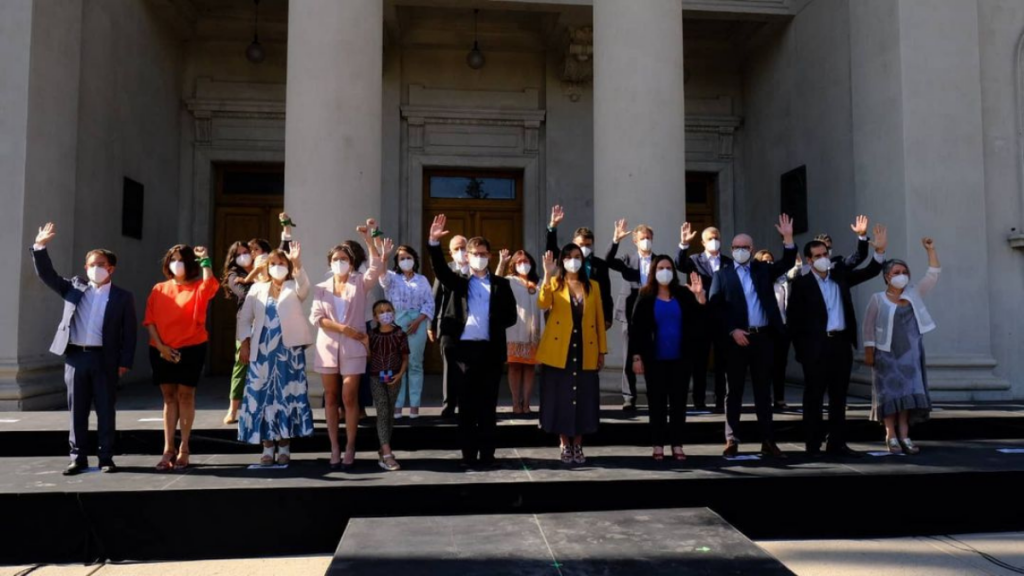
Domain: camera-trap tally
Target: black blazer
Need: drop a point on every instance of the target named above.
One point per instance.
(598, 273)
(700, 264)
(628, 265)
(728, 303)
(441, 297)
(120, 327)
(807, 316)
(643, 326)
(503, 311)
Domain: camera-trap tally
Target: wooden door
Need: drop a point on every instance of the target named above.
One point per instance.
(700, 205)
(477, 203)
(248, 199)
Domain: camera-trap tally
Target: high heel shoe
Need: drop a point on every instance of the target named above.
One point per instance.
(659, 453)
(908, 446)
(167, 462)
(680, 455)
(893, 445)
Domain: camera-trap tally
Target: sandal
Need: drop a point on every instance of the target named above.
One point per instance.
(388, 462)
(230, 419)
(893, 445)
(567, 454)
(680, 455)
(577, 455)
(908, 446)
(659, 453)
(181, 462)
(167, 462)
(284, 455)
(268, 456)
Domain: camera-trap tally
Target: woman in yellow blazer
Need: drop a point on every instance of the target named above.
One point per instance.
(571, 350)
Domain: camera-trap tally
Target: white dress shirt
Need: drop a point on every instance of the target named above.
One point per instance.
(87, 324)
(645, 266)
(756, 318)
(478, 321)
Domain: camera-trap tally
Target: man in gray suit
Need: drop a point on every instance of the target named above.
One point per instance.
(96, 336)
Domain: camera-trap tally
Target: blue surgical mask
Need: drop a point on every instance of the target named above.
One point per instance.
(386, 318)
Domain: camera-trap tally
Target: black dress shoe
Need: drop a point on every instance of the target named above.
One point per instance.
(76, 467)
(629, 406)
(842, 450)
(108, 466)
(780, 406)
(488, 462)
(771, 450)
(813, 450)
(448, 413)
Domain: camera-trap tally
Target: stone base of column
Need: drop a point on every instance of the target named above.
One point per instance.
(957, 378)
(32, 386)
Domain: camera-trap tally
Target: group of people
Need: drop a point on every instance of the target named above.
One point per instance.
(744, 311)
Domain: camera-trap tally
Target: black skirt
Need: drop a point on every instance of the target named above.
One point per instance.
(186, 372)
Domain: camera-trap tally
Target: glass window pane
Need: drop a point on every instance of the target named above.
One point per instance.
(464, 187)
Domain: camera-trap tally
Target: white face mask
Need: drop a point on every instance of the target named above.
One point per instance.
(713, 245)
(572, 265)
(97, 274)
(664, 276)
(460, 257)
(478, 263)
(340, 267)
(279, 272)
(523, 269)
(407, 264)
(386, 318)
(644, 245)
(822, 264)
(587, 251)
(899, 281)
(741, 255)
(243, 260)
(177, 268)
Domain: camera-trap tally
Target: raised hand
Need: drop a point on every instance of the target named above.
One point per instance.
(785, 228)
(556, 216)
(928, 244)
(295, 254)
(686, 233)
(504, 256)
(200, 252)
(437, 230)
(696, 285)
(386, 247)
(621, 230)
(860, 226)
(46, 233)
(881, 239)
(549, 263)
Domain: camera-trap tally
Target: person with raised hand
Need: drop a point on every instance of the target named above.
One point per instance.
(276, 407)
(571, 351)
(460, 265)
(524, 337)
(339, 312)
(475, 318)
(860, 228)
(667, 318)
(894, 325)
(747, 316)
(96, 336)
(595, 267)
(176, 320)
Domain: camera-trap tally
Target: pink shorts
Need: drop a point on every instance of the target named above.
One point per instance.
(346, 367)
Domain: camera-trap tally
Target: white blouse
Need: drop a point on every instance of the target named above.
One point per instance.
(878, 319)
(408, 293)
(529, 322)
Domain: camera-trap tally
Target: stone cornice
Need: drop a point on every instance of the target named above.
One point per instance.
(493, 116)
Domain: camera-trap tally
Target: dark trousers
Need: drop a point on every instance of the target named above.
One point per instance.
(89, 382)
(628, 377)
(828, 371)
(701, 358)
(451, 389)
(757, 359)
(668, 382)
(474, 368)
(782, 342)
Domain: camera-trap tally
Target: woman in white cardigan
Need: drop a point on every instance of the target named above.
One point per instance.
(893, 327)
(275, 407)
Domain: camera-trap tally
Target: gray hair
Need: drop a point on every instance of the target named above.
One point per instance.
(889, 264)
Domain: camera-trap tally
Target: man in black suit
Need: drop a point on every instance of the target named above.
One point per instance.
(475, 318)
(633, 268)
(96, 336)
(459, 265)
(744, 308)
(823, 326)
(597, 268)
(705, 264)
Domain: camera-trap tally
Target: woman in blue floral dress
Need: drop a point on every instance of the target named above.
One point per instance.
(276, 408)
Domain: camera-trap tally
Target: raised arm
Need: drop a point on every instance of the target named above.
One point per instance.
(445, 276)
(377, 262)
(43, 264)
(546, 294)
(934, 268)
(503, 259)
(557, 214)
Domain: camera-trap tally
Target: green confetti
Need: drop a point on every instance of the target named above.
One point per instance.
(703, 549)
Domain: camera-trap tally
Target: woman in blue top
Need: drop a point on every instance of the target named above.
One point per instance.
(666, 318)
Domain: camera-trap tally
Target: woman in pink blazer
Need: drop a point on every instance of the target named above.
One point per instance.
(339, 312)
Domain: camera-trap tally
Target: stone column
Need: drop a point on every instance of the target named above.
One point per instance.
(919, 167)
(39, 61)
(639, 125)
(333, 121)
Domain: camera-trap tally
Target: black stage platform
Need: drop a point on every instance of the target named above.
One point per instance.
(693, 541)
(221, 508)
